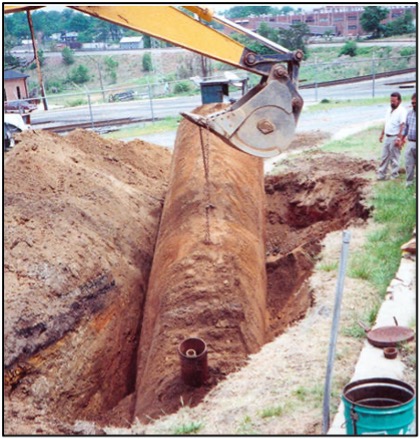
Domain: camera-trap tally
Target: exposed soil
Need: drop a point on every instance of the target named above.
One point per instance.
(81, 223)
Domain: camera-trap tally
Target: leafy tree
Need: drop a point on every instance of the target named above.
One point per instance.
(245, 11)
(68, 56)
(182, 87)
(87, 36)
(147, 62)
(47, 23)
(295, 37)
(10, 61)
(147, 41)
(350, 49)
(41, 57)
(107, 31)
(371, 18)
(401, 25)
(286, 10)
(17, 26)
(111, 68)
(79, 75)
(264, 30)
(78, 23)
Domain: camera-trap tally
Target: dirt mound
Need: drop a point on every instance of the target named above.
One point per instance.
(81, 221)
(81, 218)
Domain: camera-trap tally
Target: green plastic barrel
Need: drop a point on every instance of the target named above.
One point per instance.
(379, 406)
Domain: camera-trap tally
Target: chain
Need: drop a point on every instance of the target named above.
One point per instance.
(205, 149)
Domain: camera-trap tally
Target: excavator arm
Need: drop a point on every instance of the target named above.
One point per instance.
(262, 122)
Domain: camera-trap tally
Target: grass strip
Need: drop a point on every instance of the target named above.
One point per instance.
(159, 126)
(395, 214)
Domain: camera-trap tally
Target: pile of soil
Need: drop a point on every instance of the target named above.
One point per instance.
(81, 221)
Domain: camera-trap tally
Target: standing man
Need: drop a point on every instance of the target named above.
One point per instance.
(410, 133)
(394, 125)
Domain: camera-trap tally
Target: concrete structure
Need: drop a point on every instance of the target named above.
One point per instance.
(15, 86)
(400, 303)
(341, 20)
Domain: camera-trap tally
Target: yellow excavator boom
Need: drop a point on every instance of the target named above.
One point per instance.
(262, 122)
(170, 24)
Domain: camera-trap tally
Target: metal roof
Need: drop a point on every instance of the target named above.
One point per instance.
(13, 74)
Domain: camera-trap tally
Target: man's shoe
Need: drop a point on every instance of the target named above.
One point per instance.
(379, 178)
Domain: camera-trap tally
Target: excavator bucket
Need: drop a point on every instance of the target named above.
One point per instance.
(262, 123)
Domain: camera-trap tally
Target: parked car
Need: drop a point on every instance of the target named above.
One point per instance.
(123, 96)
(12, 124)
(20, 106)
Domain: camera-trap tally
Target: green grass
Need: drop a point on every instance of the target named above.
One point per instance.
(159, 126)
(185, 429)
(246, 427)
(310, 395)
(395, 214)
(364, 144)
(394, 217)
(327, 104)
(328, 267)
(271, 412)
(367, 317)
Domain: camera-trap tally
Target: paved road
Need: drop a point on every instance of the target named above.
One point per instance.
(161, 108)
(339, 122)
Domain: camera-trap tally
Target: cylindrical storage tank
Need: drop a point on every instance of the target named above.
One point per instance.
(208, 276)
(379, 406)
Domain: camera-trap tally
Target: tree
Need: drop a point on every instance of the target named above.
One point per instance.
(17, 25)
(286, 10)
(111, 68)
(265, 31)
(400, 26)
(78, 23)
(68, 56)
(350, 49)
(147, 62)
(79, 74)
(41, 57)
(245, 11)
(295, 37)
(371, 18)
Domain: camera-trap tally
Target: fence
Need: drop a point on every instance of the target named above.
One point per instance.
(147, 94)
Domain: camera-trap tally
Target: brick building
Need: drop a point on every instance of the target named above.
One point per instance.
(340, 20)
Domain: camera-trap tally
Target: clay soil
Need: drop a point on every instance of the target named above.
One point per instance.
(81, 223)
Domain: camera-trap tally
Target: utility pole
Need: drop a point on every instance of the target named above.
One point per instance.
(99, 67)
(38, 64)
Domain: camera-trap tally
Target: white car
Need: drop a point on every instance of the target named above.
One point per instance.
(12, 123)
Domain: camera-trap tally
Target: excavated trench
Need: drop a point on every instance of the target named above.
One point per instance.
(92, 327)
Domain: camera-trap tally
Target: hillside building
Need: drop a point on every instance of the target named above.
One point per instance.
(339, 20)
